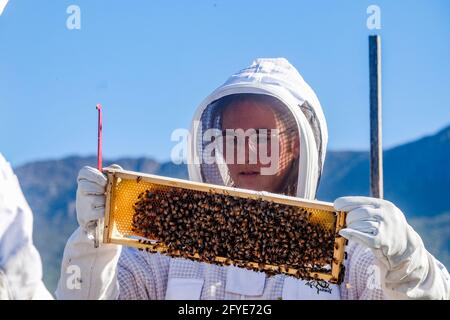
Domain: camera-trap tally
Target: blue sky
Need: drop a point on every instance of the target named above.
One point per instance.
(150, 63)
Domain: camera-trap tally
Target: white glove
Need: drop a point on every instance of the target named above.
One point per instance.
(88, 272)
(20, 263)
(408, 271)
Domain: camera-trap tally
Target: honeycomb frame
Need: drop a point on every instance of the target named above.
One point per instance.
(124, 187)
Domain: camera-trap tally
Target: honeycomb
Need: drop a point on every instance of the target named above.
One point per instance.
(125, 189)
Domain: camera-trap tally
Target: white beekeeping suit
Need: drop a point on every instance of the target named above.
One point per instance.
(20, 263)
(3, 4)
(385, 257)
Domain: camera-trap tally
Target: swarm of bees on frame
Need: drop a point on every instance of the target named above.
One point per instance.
(242, 230)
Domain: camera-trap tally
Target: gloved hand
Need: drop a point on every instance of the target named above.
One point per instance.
(20, 263)
(88, 272)
(90, 203)
(407, 269)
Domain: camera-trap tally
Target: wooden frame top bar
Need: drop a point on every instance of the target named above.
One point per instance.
(200, 186)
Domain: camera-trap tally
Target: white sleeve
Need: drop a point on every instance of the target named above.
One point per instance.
(366, 278)
(88, 272)
(421, 276)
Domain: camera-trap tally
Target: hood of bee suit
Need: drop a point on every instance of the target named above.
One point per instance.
(279, 79)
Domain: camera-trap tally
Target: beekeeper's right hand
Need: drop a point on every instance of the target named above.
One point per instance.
(88, 272)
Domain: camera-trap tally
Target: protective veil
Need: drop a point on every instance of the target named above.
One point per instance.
(298, 106)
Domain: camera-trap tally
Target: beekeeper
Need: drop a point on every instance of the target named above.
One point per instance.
(386, 258)
(20, 263)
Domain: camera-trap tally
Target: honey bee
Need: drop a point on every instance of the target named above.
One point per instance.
(250, 233)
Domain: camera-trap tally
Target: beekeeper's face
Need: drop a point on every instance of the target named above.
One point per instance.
(258, 115)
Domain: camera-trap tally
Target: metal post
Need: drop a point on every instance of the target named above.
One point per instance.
(376, 151)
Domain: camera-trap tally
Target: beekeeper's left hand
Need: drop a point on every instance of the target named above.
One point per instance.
(20, 263)
(408, 270)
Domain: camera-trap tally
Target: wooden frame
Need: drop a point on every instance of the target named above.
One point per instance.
(110, 236)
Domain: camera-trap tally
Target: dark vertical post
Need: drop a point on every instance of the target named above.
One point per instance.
(376, 151)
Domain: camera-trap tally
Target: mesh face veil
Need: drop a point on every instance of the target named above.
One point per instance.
(298, 115)
(219, 173)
